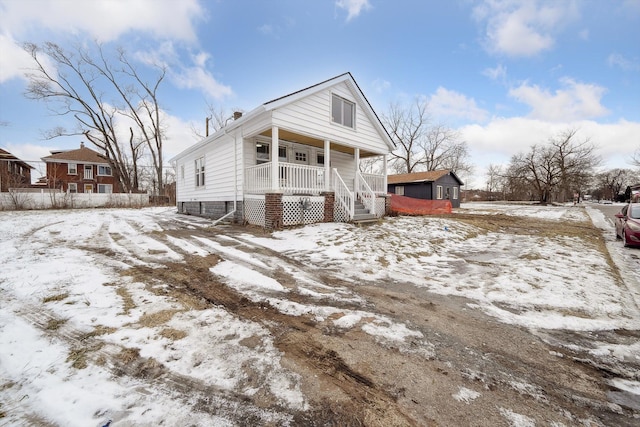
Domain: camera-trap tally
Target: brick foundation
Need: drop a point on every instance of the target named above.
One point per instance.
(273, 211)
(329, 205)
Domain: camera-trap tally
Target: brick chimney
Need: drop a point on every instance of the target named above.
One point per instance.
(81, 144)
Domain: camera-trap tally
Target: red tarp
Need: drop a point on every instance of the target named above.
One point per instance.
(410, 206)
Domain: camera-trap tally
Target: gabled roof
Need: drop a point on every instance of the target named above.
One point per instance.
(80, 155)
(428, 176)
(5, 155)
(351, 82)
(293, 97)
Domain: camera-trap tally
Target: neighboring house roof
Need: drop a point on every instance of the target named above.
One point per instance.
(5, 155)
(81, 155)
(428, 176)
(295, 96)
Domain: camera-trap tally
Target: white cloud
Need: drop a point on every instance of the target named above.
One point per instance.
(522, 27)
(449, 103)
(574, 102)
(618, 60)
(381, 85)
(14, 60)
(104, 20)
(501, 138)
(183, 75)
(498, 73)
(353, 7)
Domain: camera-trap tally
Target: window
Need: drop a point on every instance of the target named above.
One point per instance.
(73, 187)
(282, 154)
(105, 188)
(320, 159)
(73, 169)
(342, 111)
(88, 188)
(400, 190)
(447, 193)
(104, 170)
(455, 193)
(199, 172)
(88, 172)
(439, 192)
(301, 157)
(262, 153)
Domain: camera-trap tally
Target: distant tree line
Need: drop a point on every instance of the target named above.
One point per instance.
(563, 169)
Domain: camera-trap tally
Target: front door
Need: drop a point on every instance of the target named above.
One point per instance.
(88, 188)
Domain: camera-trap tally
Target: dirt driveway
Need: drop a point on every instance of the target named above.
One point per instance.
(370, 349)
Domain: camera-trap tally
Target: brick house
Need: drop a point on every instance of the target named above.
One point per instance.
(14, 173)
(80, 171)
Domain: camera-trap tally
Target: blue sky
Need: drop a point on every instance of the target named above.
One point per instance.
(506, 74)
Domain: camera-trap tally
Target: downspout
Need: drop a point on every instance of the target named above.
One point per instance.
(235, 182)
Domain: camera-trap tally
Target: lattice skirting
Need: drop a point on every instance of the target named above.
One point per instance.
(254, 207)
(302, 210)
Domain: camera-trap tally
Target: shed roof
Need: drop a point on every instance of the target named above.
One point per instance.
(427, 176)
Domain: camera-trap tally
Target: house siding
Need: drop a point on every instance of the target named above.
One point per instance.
(312, 116)
(428, 190)
(219, 184)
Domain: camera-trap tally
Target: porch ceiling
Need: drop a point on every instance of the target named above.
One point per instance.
(286, 135)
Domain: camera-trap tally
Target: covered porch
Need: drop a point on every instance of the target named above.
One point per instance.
(311, 174)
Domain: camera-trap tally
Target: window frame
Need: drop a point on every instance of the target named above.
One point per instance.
(263, 156)
(342, 102)
(104, 167)
(73, 185)
(69, 168)
(439, 192)
(200, 176)
(399, 190)
(105, 186)
(455, 193)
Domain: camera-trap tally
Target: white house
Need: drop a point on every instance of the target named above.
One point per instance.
(319, 135)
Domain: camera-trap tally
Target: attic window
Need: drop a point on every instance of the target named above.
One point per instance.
(342, 111)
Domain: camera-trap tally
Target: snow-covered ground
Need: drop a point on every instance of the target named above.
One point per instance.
(61, 281)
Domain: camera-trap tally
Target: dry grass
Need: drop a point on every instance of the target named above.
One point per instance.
(127, 300)
(56, 297)
(158, 318)
(55, 324)
(173, 334)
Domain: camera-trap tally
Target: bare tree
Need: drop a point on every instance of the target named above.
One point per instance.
(423, 145)
(407, 127)
(79, 87)
(217, 118)
(576, 161)
(611, 182)
(635, 158)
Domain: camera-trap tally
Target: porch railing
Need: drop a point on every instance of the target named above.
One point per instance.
(343, 197)
(293, 178)
(375, 182)
(365, 194)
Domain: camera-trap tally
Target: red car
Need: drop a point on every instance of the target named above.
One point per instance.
(628, 224)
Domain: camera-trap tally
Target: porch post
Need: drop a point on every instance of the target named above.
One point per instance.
(384, 171)
(327, 165)
(275, 169)
(356, 160)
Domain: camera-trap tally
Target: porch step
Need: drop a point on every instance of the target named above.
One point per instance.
(362, 215)
(364, 218)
